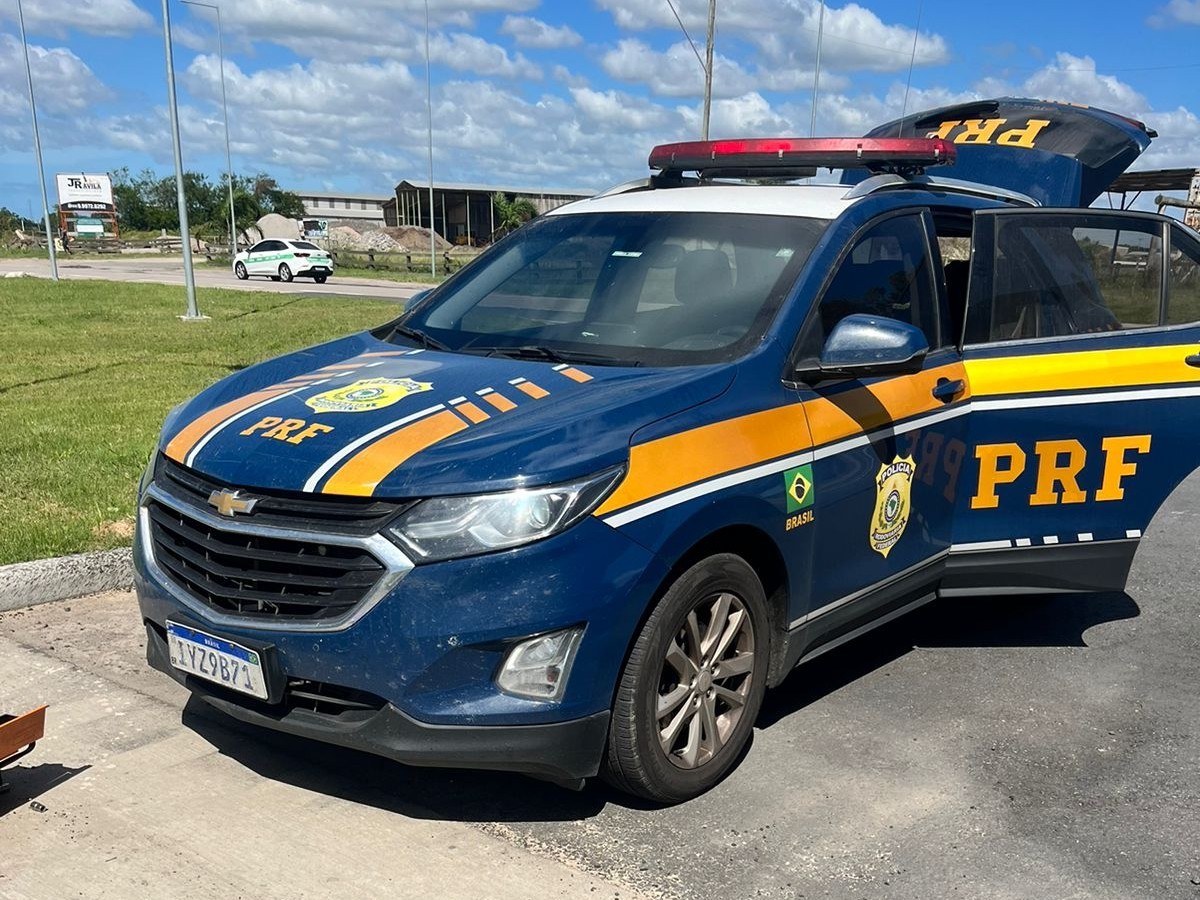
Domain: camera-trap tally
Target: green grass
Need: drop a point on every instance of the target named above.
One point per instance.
(89, 370)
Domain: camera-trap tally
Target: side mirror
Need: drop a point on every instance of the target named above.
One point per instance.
(863, 346)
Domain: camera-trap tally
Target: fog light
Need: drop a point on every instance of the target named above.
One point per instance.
(538, 667)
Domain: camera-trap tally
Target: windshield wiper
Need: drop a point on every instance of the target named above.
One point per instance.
(550, 354)
(416, 334)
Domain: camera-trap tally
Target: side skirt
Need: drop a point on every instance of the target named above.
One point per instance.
(1085, 566)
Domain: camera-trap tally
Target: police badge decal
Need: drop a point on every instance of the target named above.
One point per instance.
(893, 503)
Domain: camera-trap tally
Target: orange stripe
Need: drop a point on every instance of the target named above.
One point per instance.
(528, 387)
(188, 437)
(575, 375)
(340, 368)
(361, 474)
(472, 412)
(832, 418)
(499, 401)
(678, 460)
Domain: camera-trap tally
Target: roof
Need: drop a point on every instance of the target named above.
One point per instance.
(341, 195)
(817, 201)
(493, 188)
(1155, 180)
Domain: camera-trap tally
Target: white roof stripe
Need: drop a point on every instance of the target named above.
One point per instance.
(816, 201)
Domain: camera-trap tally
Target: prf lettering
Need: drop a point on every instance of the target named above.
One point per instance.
(988, 131)
(291, 430)
(1059, 464)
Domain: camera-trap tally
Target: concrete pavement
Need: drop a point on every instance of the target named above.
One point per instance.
(169, 270)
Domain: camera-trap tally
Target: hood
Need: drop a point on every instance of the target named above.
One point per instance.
(1060, 154)
(363, 417)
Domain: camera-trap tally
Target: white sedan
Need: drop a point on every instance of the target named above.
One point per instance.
(282, 260)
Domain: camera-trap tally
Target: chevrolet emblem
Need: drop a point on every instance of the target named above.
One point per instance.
(231, 503)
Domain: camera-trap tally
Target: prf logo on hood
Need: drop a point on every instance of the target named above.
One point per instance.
(367, 394)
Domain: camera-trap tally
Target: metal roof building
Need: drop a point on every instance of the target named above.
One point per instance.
(343, 205)
(464, 213)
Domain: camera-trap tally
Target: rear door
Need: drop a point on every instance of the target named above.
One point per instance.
(1081, 346)
(886, 450)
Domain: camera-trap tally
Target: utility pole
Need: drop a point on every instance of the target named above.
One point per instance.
(225, 113)
(189, 276)
(708, 68)
(812, 124)
(37, 149)
(429, 106)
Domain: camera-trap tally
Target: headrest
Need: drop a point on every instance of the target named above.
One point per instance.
(703, 276)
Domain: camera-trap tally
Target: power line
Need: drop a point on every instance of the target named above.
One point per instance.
(688, 36)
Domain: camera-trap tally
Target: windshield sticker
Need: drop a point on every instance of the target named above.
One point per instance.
(893, 503)
(629, 254)
(784, 253)
(367, 395)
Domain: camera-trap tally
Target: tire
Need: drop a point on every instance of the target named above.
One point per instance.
(320, 279)
(285, 274)
(240, 271)
(678, 639)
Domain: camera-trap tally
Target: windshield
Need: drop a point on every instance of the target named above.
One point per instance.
(622, 288)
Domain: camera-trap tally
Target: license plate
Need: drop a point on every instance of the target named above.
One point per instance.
(217, 660)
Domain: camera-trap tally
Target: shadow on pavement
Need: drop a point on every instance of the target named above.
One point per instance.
(420, 793)
(27, 783)
(1060, 620)
(471, 796)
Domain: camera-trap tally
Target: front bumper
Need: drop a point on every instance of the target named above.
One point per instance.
(558, 751)
(428, 652)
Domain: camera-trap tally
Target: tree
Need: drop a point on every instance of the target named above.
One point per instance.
(511, 214)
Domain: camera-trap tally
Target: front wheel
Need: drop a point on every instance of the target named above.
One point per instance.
(285, 274)
(240, 271)
(693, 684)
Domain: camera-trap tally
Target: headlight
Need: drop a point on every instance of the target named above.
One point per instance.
(449, 527)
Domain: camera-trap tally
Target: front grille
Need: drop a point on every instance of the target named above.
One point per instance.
(330, 699)
(235, 572)
(283, 509)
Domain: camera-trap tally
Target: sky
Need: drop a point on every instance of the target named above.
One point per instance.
(331, 94)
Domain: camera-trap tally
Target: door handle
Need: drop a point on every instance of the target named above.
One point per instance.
(1193, 360)
(946, 390)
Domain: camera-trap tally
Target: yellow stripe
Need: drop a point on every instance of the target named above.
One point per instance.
(499, 401)
(362, 472)
(678, 460)
(472, 412)
(528, 387)
(576, 375)
(1088, 369)
(189, 436)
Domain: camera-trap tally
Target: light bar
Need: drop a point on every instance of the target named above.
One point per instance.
(764, 155)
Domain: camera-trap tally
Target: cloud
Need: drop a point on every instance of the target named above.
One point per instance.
(530, 32)
(675, 72)
(1183, 12)
(108, 18)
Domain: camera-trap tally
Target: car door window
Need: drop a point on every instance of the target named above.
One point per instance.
(1061, 274)
(1183, 283)
(886, 273)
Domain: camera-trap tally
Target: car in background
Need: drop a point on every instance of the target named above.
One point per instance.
(282, 260)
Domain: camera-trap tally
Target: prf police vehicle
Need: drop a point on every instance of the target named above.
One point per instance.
(577, 508)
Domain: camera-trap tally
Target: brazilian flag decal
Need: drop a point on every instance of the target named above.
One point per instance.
(798, 485)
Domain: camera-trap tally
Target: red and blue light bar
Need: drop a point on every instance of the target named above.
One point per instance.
(764, 155)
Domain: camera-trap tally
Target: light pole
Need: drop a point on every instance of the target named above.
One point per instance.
(189, 276)
(429, 105)
(37, 149)
(812, 122)
(708, 67)
(225, 113)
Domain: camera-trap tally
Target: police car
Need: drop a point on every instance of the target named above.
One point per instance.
(282, 260)
(575, 510)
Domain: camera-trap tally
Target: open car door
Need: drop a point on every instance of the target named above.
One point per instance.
(1082, 349)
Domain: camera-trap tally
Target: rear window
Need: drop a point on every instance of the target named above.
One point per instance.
(304, 245)
(653, 288)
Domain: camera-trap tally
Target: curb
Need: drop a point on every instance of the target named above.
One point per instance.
(65, 577)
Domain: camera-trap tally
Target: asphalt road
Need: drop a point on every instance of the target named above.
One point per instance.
(169, 270)
(994, 748)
